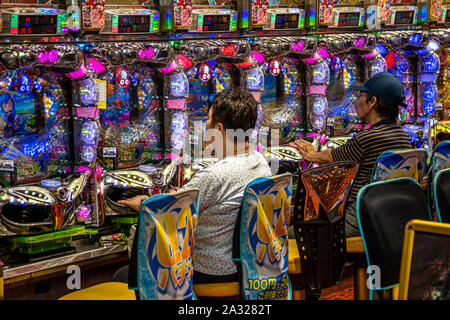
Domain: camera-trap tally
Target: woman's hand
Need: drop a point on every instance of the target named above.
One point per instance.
(135, 202)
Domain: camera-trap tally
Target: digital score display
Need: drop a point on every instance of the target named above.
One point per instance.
(404, 17)
(349, 19)
(287, 21)
(35, 24)
(223, 20)
(447, 17)
(216, 22)
(127, 24)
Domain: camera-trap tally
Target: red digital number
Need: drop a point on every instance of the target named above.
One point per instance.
(23, 30)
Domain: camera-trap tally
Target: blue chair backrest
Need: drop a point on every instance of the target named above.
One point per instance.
(165, 244)
(262, 237)
(441, 193)
(440, 159)
(383, 209)
(392, 164)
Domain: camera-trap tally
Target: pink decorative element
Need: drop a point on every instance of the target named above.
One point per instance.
(173, 155)
(81, 72)
(176, 104)
(313, 59)
(84, 169)
(147, 53)
(323, 138)
(359, 43)
(184, 61)
(299, 46)
(358, 126)
(170, 69)
(83, 213)
(99, 171)
(258, 56)
(48, 56)
(317, 89)
(87, 112)
(322, 52)
(371, 55)
(313, 134)
(96, 65)
(258, 147)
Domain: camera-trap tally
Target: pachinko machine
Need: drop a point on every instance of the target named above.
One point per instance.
(411, 57)
(293, 100)
(352, 58)
(271, 15)
(441, 128)
(132, 153)
(200, 15)
(43, 189)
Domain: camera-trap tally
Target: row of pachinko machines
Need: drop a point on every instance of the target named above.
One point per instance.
(84, 125)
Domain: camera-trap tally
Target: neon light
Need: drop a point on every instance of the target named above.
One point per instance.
(245, 19)
(312, 17)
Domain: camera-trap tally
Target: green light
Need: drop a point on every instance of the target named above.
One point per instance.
(14, 21)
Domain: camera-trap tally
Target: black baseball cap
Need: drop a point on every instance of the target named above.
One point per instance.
(385, 87)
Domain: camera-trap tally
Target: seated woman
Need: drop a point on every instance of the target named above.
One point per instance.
(221, 186)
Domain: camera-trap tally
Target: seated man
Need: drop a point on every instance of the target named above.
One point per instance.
(378, 104)
(221, 185)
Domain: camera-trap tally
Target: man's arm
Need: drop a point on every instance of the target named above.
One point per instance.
(309, 153)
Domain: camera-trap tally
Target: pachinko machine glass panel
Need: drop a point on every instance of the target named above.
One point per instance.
(41, 188)
(352, 58)
(411, 56)
(272, 14)
(210, 67)
(33, 19)
(130, 114)
(293, 100)
(441, 129)
(131, 147)
(201, 15)
(341, 14)
(128, 17)
(445, 12)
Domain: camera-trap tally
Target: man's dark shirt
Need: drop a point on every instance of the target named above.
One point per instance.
(365, 148)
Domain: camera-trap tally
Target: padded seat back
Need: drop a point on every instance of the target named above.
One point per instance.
(161, 263)
(441, 192)
(261, 238)
(394, 164)
(383, 210)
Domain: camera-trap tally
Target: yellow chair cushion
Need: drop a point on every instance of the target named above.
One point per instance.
(221, 289)
(294, 258)
(103, 291)
(355, 245)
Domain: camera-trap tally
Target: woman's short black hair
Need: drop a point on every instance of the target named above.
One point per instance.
(385, 110)
(235, 109)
